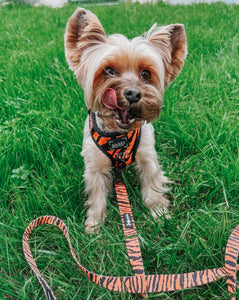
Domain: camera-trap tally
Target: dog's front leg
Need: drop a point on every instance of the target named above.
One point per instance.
(98, 182)
(97, 187)
(151, 176)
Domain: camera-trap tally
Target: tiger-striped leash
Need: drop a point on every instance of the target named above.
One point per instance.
(121, 149)
(139, 283)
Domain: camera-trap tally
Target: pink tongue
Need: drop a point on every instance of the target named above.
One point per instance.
(109, 99)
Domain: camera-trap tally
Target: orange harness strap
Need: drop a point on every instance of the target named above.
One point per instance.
(139, 283)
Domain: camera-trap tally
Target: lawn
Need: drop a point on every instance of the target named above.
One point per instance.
(42, 114)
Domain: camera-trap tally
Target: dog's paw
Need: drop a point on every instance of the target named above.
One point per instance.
(157, 204)
(91, 226)
(159, 211)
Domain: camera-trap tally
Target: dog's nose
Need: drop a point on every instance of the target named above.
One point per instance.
(132, 95)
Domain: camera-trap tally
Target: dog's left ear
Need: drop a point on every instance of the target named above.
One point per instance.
(171, 43)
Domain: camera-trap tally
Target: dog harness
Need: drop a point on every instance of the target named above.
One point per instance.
(121, 150)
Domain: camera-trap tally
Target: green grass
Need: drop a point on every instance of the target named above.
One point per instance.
(41, 123)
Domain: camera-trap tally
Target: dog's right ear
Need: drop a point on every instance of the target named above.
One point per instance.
(83, 30)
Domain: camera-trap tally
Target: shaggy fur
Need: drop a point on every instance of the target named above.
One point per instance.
(146, 64)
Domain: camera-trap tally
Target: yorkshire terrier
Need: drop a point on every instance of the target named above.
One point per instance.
(123, 82)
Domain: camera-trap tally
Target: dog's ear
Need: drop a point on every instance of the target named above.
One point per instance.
(83, 30)
(171, 43)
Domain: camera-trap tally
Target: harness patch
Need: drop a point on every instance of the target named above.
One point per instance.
(118, 143)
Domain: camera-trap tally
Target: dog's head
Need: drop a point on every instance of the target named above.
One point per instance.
(123, 80)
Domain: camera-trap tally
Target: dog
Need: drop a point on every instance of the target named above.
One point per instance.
(123, 82)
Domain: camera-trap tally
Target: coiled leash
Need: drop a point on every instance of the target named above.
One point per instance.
(140, 283)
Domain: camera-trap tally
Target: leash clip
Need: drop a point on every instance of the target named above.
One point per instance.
(117, 174)
(119, 166)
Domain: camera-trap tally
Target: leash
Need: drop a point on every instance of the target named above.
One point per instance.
(121, 149)
(139, 283)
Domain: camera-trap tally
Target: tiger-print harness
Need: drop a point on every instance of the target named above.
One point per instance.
(140, 283)
(121, 148)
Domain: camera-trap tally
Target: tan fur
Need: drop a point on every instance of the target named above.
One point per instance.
(89, 51)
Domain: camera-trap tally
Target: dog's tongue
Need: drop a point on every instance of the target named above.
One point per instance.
(109, 99)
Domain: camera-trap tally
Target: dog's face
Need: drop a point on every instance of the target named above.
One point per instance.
(123, 80)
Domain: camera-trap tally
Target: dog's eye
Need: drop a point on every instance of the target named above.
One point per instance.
(146, 75)
(109, 71)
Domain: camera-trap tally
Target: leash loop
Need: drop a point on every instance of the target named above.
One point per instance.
(231, 256)
(140, 283)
